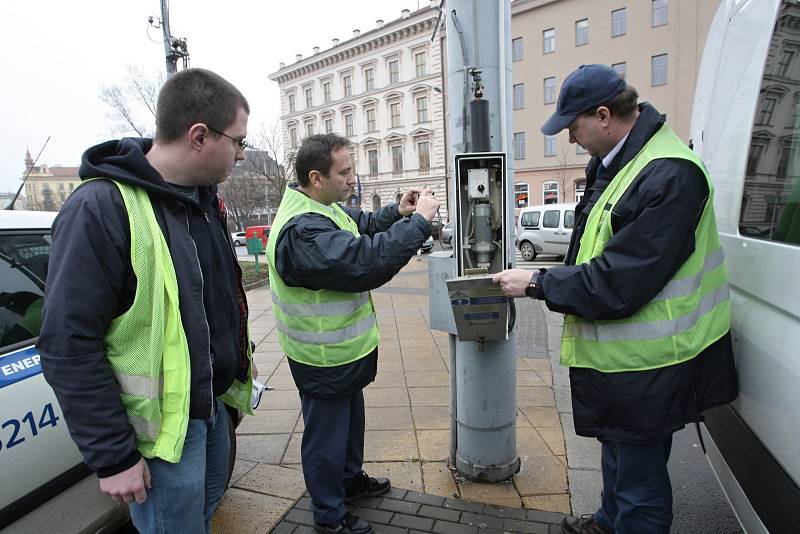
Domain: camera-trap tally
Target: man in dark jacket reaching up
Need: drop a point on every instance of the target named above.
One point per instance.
(645, 297)
(323, 261)
(144, 333)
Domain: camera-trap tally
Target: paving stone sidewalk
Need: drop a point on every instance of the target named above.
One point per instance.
(407, 434)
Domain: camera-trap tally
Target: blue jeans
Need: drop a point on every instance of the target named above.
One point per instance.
(637, 494)
(332, 450)
(184, 495)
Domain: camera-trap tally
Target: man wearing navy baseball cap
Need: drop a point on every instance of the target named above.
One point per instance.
(644, 291)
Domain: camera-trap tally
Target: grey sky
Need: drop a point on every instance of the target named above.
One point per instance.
(56, 55)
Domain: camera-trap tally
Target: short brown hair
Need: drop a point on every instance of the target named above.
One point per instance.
(196, 96)
(315, 155)
(622, 106)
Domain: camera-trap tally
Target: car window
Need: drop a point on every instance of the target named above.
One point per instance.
(530, 218)
(23, 270)
(771, 198)
(551, 218)
(569, 219)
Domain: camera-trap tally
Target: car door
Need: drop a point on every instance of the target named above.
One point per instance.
(36, 451)
(551, 232)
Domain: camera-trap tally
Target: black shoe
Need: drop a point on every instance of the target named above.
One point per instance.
(349, 524)
(584, 524)
(365, 486)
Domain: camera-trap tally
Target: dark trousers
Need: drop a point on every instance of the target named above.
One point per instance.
(637, 494)
(332, 450)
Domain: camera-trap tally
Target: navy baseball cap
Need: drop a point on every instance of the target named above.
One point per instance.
(585, 88)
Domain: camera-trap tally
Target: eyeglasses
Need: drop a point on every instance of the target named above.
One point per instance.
(241, 143)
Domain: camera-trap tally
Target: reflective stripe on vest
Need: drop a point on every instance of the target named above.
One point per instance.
(319, 327)
(689, 313)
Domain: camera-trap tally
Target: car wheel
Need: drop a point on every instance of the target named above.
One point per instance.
(236, 243)
(527, 251)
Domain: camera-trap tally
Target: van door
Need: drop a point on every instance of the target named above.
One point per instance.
(553, 232)
(747, 130)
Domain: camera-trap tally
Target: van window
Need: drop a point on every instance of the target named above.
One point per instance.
(569, 219)
(551, 218)
(771, 199)
(530, 218)
(23, 269)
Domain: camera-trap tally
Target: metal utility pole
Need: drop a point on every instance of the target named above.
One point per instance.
(483, 367)
(174, 47)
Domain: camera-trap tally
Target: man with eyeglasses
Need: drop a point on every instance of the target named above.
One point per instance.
(144, 337)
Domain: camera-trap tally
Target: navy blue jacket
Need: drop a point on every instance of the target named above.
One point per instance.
(91, 281)
(654, 224)
(314, 253)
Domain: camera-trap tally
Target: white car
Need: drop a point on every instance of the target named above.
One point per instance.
(545, 229)
(238, 239)
(46, 486)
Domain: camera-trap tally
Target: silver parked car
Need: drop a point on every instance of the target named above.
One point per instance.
(446, 236)
(545, 229)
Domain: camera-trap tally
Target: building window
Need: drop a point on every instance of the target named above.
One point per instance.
(423, 150)
(349, 127)
(309, 92)
(581, 32)
(549, 90)
(420, 64)
(352, 151)
(326, 92)
(422, 109)
(309, 129)
(519, 145)
(347, 85)
(369, 79)
(516, 49)
(293, 137)
(549, 41)
(372, 158)
(550, 196)
(328, 125)
(660, 12)
(519, 96)
(549, 145)
(397, 159)
(372, 123)
(767, 109)
(291, 103)
(394, 72)
(785, 61)
(376, 202)
(521, 195)
(71, 187)
(753, 158)
(394, 113)
(658, 70)
(618, 22)
(621, 68)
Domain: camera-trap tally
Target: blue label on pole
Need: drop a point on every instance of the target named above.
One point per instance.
(498, 299)
(19, 365)
(481, 316)
(459, 302)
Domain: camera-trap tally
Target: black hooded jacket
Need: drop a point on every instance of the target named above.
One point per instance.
(91, 281)
(654, 224)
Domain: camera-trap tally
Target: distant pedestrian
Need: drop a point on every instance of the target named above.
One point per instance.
(645, 297)
(144, 334)
(323, 261)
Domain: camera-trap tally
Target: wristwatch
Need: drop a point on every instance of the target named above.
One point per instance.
(534, 289)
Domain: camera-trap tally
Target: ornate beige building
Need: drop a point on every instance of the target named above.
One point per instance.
(381, 89)
(48, 187)
(656, 45)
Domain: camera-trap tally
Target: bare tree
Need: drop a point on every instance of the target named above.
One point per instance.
(133, 102)
(257, 183)
(562, 171)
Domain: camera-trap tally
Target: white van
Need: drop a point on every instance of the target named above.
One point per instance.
(746, 128)
(545, 229)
